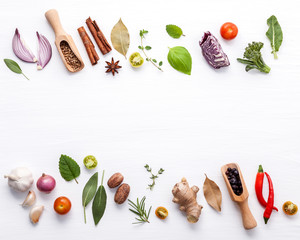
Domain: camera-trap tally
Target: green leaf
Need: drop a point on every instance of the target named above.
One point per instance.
(174, 31)
(14, 67)
(160, 63)
(148, 48)
(89, 191)
(68, 168)
(274, 34)
(180, 59)
(99, 203)
(154, 60)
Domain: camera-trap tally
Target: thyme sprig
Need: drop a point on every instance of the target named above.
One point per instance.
(153, 177)
(152, 60)
(140, 211)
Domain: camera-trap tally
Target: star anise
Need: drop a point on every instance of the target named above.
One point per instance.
(112, 66)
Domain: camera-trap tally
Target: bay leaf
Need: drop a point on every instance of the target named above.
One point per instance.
(120, 38)
(212, 194)
(99, 203)
(89, 191)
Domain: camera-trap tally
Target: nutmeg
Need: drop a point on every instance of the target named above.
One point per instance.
(115, 180)
(122, 193)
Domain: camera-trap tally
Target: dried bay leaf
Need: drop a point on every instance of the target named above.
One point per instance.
(212, 194)
(120, 38)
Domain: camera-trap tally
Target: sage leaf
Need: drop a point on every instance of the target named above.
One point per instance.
(120, 38)
(274, 34)
(89, 191)
(14, 67)
(99, 203)
(68, 168)
(212, 194)
(174, 31)
(180, 59)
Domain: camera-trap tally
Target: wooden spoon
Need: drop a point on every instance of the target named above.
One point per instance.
(249, 221)
(60, 36)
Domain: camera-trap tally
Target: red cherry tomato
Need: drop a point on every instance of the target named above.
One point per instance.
(229, 31)
(62, 205)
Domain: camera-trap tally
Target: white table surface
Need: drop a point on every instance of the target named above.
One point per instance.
(188, 125)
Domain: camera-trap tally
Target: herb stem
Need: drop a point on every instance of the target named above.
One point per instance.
(76, 180)
(84, 215)
(150, 59)
(25, 76)
(102, 177)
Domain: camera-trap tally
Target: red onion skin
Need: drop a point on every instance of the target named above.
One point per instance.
(46, 183)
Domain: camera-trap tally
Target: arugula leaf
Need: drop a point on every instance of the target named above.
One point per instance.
(274, 34)
(68, 168)
(89, 191)
(174, 31)
(99, 203)
(14, 67)
(180, 59)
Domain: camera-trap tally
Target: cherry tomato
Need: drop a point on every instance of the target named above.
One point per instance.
(62, 205)
(229, 31)
(161, 212)
(289, 208)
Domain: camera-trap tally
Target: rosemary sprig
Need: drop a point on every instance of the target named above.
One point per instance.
(139, 210)
(153, 177)
(152, 60)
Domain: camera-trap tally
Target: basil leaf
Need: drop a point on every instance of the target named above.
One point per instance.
(89, 191)
(99, 203)
(180, 59)
(14, 67)
(174, 31)
(274, 34)
(68, 168)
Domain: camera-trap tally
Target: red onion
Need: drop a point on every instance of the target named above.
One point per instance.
(44, 52)
(21, 50)
(46, 183)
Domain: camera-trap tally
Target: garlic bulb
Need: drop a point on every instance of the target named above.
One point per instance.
(35, 213)
(29, 200)
(20, 179)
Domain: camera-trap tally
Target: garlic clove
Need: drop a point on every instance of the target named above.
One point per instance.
(29, 200)
(35, 213)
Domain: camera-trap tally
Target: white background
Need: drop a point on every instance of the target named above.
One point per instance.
(188, 125)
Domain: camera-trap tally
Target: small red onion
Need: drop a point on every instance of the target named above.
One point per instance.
(46, 183)
(21, 50)
(44, 51)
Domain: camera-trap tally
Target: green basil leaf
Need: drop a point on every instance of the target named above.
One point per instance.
(274, 34)
(68, 168)
(160, 63)
(148, 48)
(180, 59)
(174, 31)
(99, 203)
(89, 191)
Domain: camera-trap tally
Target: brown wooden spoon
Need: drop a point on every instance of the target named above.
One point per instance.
(249, 221)
(61, 37)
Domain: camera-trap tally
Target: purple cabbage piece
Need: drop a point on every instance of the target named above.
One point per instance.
(213, 52)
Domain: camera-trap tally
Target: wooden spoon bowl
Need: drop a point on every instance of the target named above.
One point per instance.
(249, 221)
(60, 37)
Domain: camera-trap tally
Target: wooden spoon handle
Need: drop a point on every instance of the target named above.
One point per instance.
(53, 18)
(249, 221)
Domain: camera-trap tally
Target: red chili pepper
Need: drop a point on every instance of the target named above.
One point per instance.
(270, 203)
(259, 187)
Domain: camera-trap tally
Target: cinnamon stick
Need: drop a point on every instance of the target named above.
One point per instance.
(98, 36)
(89, 46)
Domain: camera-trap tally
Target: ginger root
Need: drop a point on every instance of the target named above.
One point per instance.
(186, 197)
